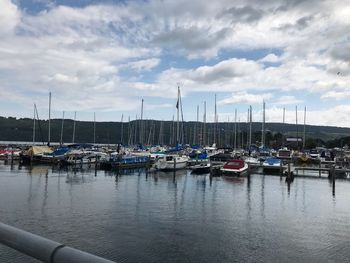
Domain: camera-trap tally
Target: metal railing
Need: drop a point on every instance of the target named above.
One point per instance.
(44, 249)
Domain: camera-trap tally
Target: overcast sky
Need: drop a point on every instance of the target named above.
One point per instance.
(105, 56)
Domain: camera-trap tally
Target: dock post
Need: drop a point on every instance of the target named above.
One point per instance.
(12, 157)
(333, 178)
(96, 163)
(319, 171)
(174, 175)
(281, 168)
(289, 169)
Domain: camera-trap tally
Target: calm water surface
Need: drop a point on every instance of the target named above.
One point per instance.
(136, 217)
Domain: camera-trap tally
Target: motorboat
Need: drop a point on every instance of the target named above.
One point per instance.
(235, 167)
(171, 162)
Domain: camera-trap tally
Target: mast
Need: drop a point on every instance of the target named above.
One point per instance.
(235, 132)
(296, 123)
(129, 131)
(204, 123)
(177, 111)
(141, 123)
(263, 126)
(121, 130)
(49, 134)
(215, 122)
(250, 125)
(75, 116)
(172, 137)
(182, 134)
(284, 119)
(304, 137)
(34, 125)
(61, 141)
(195, 127)
(94, 127)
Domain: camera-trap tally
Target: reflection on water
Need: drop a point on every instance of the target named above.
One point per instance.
(134, 216)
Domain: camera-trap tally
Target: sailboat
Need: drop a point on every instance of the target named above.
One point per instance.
(171, 162)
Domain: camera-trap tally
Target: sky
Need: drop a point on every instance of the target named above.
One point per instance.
(105, 56)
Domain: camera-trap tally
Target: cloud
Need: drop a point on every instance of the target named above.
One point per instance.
(337, 95)
(198, 42)
(270, 58)
(145, 64)
(287, 100)
(245, 98)
(9, 17)
(81, 53)
(242, 14)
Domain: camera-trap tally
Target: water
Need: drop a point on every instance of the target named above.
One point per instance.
(159, 218)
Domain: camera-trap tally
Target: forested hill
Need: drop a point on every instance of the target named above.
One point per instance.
(154, 132)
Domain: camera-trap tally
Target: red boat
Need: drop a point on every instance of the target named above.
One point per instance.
(235, 167)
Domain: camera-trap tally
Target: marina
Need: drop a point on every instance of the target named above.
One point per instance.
(166, 131)
(132, 216)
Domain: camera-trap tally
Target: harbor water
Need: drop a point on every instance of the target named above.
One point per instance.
(134, 216)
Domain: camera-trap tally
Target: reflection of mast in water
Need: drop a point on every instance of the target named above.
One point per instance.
(263, 196)
(249, 206)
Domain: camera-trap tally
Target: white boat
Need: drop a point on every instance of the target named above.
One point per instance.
(252, 160)
(284, 153)
(272, 164)
(171, 162)
(84, 157)
(235, 167)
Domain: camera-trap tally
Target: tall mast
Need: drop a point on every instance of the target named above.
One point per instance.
(94, 127)
(204, 123)
(61, 141)
(172, 137)
(235, 131)
(304, 128)
(296, 123)
(177, 111)
(49, 134)
(75, 116)
(196, 127)
(250, 125)
(215, 121)
(34, 125)
(284, 120)
(121, 130)
(247, 145)
(263, 126)
(141, 123)
(129, 131)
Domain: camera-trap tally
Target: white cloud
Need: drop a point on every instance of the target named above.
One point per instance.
(271, 58)
(9, 17)
(245, 98)
(338, 95)
(287, 100)
(145, 64)
(79, 53)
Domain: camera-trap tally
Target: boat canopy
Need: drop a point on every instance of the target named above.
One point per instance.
(234, 164)
(38, 150)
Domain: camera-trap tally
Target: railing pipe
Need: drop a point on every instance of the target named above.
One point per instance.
(44, 249)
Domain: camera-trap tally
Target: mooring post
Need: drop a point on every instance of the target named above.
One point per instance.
(288, 170)
(333, 178)
(12, 157)
(281, 168)
(319, 171)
